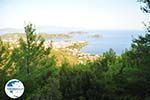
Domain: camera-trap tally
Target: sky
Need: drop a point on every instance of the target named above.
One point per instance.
(89, 14)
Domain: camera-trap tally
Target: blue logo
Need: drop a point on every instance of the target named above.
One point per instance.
(14, 88)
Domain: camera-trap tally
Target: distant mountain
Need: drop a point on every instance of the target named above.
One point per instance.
(45, 29)
(10, 30)
(56, 29)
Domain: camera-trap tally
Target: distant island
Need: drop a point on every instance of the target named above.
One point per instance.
(96, 36)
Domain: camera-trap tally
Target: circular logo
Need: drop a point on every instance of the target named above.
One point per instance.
(14, 88)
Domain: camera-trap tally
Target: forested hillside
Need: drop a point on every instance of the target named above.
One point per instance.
(110, 77)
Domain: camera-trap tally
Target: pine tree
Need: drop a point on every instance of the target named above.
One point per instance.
(30, 53)
(32, 62)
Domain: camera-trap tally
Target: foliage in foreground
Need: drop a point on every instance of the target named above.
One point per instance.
(112, 77)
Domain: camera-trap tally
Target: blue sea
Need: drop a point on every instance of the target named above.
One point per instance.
(118, 40)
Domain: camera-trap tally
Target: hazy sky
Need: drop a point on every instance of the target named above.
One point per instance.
(91, 14)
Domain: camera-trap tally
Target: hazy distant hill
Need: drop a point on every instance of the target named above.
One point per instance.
(56, 29)
(10, 30)
(47, 29)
